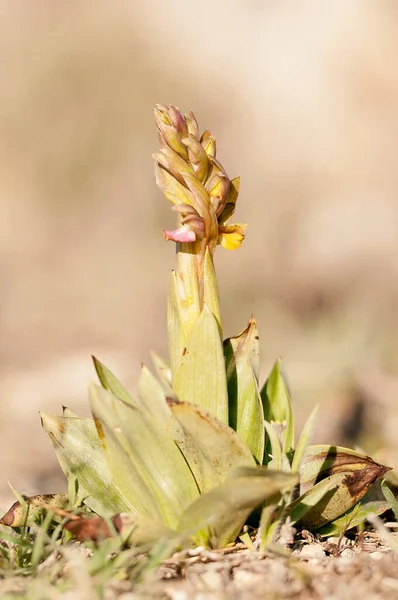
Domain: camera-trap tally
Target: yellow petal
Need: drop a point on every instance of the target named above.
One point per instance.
(231, 236)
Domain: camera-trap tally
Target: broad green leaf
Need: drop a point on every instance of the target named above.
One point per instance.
(354, 517)
(277, 404)
(210, 448)
(245, 407)
(80, 455)
(153, 398)
(201, 377)
(151, 459)
(163, 372)
(260, 470)
(129, 476)
(216, 517)
(111, 383)
(210, 288)
(303, 441)
(175, 326)
(324, 490)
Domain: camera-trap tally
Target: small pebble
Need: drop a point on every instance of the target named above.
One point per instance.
(312, 551)
(339, 541)
(347, 553)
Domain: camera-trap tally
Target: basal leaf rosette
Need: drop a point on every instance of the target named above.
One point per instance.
(170, 468)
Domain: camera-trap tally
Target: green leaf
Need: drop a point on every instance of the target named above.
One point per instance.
(143, 457)
(354, 517)
(210, 448)
(163, 372)
(201, 377)
(390, 497)
(267, 527)
(275, 447)
(245, 407)
(303, 441)
(320, 461)
(141, 531)
(210, 288)
(344, 475)
(79, 453)
(175, 327)
(153, 398)
(111, 383)
(277, 404)
(312, 498)
(246, 539)
(216, 517)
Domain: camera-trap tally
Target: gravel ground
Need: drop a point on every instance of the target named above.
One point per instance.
(334, 569)
(368, 569)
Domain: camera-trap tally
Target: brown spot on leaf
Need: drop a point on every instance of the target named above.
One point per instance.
(172, 401)
(358, 482)
(54, 439)
(99, 427)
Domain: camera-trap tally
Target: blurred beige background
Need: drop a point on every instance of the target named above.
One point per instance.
(303, 99)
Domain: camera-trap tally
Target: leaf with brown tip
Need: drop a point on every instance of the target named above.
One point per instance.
(332, 481)
(33, 509)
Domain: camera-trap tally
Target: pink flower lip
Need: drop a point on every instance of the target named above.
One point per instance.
(182, 234)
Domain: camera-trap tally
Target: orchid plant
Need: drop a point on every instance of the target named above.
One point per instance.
(202, 445)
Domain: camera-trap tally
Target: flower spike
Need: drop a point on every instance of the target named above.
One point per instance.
(188, 172)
